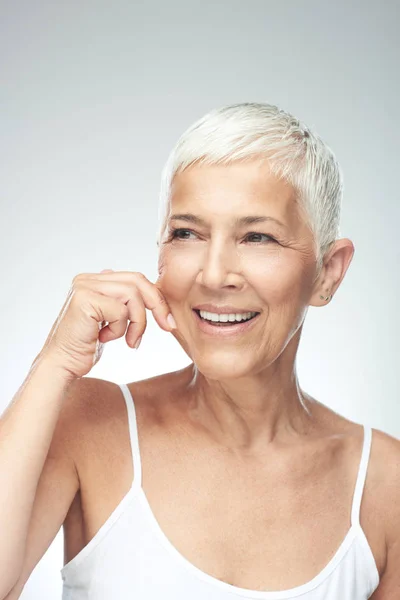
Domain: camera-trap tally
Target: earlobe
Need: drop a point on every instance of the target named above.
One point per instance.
(317, 296)
(326, 299)
(333, 270)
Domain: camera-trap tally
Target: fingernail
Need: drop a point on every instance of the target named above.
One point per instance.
(171, 321)
(138, 342)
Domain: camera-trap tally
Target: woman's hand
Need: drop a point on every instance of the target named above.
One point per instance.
(97, 309)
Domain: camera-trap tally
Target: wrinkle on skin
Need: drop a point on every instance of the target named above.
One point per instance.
(244, 390)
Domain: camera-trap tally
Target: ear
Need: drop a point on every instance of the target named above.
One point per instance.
(333, 271)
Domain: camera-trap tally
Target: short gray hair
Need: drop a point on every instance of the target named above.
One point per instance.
(248, 130)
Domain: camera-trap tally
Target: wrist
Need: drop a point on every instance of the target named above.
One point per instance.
(48, 365)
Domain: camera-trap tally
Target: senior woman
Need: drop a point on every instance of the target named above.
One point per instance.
(224, 479)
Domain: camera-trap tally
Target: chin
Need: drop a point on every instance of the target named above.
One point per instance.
(223, 366)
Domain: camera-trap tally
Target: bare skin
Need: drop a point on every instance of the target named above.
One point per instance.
(255, 459)
(227, 496)
(244, 471)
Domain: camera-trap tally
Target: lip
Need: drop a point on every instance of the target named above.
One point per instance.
(224, 331)
(223, 309)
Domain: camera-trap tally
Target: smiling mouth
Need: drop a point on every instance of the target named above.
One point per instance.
(224, 323)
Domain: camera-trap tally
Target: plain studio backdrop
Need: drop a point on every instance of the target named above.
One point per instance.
(94, 95)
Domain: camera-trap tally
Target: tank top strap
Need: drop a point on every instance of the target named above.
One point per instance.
(133, 435)
(361, 476)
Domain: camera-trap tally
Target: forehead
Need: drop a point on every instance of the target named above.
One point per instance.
(240, 188)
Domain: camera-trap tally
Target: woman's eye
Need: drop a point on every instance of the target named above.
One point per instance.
(260, 234)
(175, 232)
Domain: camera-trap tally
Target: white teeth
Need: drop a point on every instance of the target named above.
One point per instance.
(223, 318)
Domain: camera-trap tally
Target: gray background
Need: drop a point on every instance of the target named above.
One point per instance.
(94, 95)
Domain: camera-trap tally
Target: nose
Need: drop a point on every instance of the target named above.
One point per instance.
(220, 266)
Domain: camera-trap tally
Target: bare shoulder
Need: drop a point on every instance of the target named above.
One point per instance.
(99, 410)
(96, 401)
(385, 475)
(385, 467)
(382, 497)
(78, 407)
(389, 442)
(92, 409)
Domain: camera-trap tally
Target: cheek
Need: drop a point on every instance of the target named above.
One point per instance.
(175, 275)
(173, 262)
(275, 280)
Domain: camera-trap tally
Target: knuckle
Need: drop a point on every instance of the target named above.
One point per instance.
(77, 295)
(81, 295)
(78, 289)
(78, 278)
(138, 275)
(124, 311)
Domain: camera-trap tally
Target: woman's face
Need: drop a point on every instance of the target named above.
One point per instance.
(262, 266)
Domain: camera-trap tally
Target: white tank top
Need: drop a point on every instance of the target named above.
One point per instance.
(130, 557)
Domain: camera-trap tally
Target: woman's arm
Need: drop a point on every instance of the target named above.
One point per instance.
(38, 478)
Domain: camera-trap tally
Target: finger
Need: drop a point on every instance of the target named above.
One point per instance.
(114, 311)
(154, 300)
(152, 296)
(131, 297)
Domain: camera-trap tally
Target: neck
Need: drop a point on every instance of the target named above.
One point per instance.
(249, 413)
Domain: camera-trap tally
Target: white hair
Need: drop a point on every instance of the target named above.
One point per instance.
(249, 130)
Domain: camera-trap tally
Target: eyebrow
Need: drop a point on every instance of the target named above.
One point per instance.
(250, 220)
